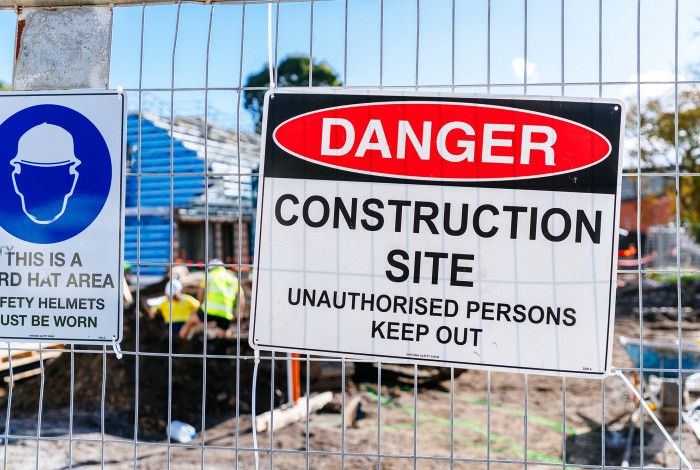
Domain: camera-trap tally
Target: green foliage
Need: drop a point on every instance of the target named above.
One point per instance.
(671, 279)
(292, 72)
(657, 124)
(4, 87)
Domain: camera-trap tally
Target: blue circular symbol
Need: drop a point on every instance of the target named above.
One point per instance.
(55, 173)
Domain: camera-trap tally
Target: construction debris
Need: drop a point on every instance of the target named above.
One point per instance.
(165, 387)
(23, 360)
(286, 415)
(352, 412)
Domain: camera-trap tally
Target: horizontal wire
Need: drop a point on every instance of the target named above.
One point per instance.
(282, 354)
(276, 450)
(388, 88)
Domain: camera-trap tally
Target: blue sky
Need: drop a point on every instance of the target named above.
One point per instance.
(432, 37)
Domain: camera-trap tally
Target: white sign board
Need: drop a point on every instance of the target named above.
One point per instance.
(62, 160)
(475, 232)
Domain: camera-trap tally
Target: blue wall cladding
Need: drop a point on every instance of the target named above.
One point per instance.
(157, 192)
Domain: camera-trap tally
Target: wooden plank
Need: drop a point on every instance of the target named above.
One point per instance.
(290, 414)
(23, 375)
(24, 360)
(21, 350)
(33, 358)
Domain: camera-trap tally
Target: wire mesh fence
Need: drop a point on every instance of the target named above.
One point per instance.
(193, 139)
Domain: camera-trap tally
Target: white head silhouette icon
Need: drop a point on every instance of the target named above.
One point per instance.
(45, 174)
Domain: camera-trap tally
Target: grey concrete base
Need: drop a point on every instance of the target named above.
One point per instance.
(63, 48)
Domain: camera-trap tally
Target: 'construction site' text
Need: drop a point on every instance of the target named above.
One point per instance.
(425, 217)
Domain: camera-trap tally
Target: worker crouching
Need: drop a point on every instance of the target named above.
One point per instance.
(220, 296)
(177, 307)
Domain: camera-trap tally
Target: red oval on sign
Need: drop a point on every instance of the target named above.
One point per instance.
(443, 141)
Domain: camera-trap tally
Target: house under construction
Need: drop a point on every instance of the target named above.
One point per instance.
(210, 182)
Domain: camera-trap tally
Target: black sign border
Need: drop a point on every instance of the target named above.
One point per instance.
(506, 100)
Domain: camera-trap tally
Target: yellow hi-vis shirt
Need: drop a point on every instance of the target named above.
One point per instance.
(222, 292)
(182, 309)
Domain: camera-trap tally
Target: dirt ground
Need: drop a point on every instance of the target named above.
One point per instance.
(430, 432)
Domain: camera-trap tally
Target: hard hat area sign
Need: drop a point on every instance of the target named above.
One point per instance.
(61, 183)
(474, 232)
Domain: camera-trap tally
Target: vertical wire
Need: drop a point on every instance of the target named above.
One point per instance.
(679, 313)
(488, 419)
(239, 92)
(452, 369)
(345, 46)
(41, 403)
(488, 373)
(488, 47)
(415, 366)
(308, 392)
(11, 383)
(269, 44)
(103, 393)
(379, 415)
(640, 274)
(602, 423)
(417, 43)
(379, 363)
(600, 95)
(415, 416)
(381, 44)
(70, 406)
(600, 48)
(171, 228)
(563, 420)
(104, 348)
(563, 40)
(452, 48)
(345, 79)
(525, 418)
(525, 414)
(563, 380)
(311, 46)
(525, 47)
(342, 415)
(273, 356)
(308, 362)
(10, 388)
(206, 234)
(452, 417)
(272, 414)
(137, 300)
(277, 35)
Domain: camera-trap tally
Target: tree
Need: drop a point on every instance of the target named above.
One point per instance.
(292, 71)
(657, 124)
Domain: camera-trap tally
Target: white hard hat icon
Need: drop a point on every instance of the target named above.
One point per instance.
(45, 153)
(46, 145)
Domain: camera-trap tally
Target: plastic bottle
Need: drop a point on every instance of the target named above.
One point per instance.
(181, 432)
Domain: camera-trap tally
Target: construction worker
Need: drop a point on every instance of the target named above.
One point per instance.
(183, 306)
(223, 296)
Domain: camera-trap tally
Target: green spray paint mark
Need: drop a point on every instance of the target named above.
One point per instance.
(521, 413)
(504, 444)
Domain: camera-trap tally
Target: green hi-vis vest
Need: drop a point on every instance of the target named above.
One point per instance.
(222, 293)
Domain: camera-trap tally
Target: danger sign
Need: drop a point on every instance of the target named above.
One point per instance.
(473, 232)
